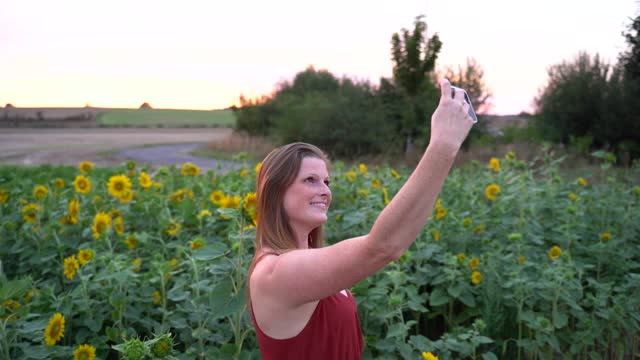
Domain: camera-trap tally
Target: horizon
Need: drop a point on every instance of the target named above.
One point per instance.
(62, 56)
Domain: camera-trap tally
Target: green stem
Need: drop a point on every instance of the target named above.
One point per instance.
(5, 342)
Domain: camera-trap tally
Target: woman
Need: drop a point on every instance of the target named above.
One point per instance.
(299, 302)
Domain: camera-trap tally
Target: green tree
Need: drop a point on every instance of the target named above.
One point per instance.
(414, 57)
(573, 99)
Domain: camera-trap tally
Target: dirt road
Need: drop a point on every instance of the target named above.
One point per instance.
(104, 146)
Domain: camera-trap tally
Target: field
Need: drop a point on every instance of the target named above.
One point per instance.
(102, 146)
(108, 117)
(167, 118)
(517, 262)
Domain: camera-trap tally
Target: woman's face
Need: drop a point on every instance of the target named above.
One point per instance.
(307, 200)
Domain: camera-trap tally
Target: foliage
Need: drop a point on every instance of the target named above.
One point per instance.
(586, 98)
(343, 116)
(573, 100)
(414, 56)
(191, 283)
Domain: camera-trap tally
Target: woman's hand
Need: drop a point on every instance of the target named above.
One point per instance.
(451, 122)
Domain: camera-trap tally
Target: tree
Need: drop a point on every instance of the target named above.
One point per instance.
(573, 99)
(471, 79)
(414, 57)
(631, 58)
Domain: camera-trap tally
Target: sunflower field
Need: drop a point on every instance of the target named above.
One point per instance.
(516, 262)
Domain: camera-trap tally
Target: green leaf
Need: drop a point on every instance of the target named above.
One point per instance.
(209, 253)
(438, 297)
(397, 330)
(560, 319)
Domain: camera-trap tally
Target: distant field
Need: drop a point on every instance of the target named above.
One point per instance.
(167, 118)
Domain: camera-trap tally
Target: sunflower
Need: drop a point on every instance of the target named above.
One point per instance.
(440, 213)
(118, 226)
(476, 277)
(375, 184)
(250, 201)
(604, 237)
(173, 228)
(395, 174)
(474, 263)
(203, 213)
(40, 192)
(466, 222)
(582, 181)
(231, 202)
(118, 185)
(555, 253)
(128, 196)
(162, 347)
(85, 166)
(74, 211)
(494, 164)
(478, 229)
(101, 224)
(385, 195)
(30, 212)
(178, 195)
(522, 259)
(573, 197)
(84, 352)
(196, 244)
(258, 167)
(461, 257)
(115, 213)
(136, 264)
(492, 191)
(436, 235)
(84, 256)
(70, 267)
(243, 173)
(189, 169)
(351, 176)
(428, 356)
(58, 183)
(145, 180)
(157, 298)
(55, 330)
(216, 197)
(363, 169)
(82, 184)
(131, 241)
(4, 196)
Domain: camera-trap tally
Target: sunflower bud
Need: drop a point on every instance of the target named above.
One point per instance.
(162, 346)
(134, 349)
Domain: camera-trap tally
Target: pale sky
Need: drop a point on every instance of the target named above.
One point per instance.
(204, 54)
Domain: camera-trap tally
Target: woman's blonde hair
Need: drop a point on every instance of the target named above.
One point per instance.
(278, 171)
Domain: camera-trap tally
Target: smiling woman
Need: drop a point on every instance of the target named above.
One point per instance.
(297, 288)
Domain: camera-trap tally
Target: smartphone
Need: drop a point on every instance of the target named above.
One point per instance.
(472, 113)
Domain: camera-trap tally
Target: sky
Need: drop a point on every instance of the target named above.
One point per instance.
(204, 54)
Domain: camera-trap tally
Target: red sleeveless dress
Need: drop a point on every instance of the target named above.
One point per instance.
(332, 333)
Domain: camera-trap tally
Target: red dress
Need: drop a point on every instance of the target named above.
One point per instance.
(332, 333)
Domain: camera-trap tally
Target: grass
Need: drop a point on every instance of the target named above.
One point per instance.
(167, 118)
(249, 148)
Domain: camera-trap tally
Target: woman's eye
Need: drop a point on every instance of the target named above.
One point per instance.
(309, 179)
(327, 182)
